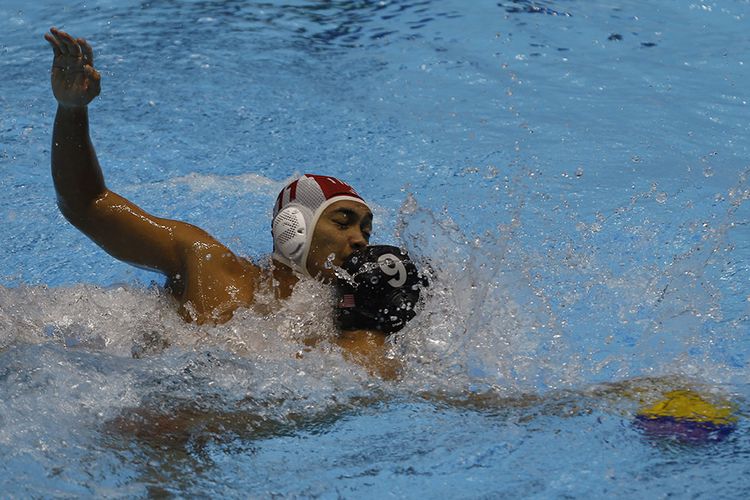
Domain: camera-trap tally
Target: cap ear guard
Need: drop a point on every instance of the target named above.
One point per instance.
(379, 289)
(290, 236)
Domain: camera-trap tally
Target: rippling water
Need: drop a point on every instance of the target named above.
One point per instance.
(574, 173)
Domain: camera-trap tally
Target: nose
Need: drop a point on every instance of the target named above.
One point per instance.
(357, 240)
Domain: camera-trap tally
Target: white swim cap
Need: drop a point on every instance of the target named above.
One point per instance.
(296, 212)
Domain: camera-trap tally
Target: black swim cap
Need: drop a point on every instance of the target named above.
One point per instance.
(378, 289)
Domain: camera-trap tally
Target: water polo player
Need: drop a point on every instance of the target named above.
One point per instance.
(378, 288)
(318, 221)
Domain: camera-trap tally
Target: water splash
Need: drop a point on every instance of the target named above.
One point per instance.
(507, 315)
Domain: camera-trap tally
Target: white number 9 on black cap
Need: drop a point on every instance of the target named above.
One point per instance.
(392, 266)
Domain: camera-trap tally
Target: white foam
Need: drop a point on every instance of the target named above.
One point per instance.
(229, 184)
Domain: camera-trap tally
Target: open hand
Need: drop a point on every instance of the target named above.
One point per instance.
(75, 82)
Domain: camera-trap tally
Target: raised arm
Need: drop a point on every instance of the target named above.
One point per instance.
(117, 225)
(203, 272)
(75, 83)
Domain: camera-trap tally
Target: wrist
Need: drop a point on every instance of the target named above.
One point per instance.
(72, 107)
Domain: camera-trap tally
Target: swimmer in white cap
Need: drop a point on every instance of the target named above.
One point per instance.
(324, 205)
(314, 217)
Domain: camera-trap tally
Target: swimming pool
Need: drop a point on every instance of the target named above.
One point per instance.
(575, 172)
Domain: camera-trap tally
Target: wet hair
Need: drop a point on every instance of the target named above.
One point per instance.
(378, 289)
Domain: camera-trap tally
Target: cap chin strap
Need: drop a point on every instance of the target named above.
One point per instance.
(293, 229)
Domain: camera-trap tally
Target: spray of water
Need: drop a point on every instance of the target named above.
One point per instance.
(504, 324)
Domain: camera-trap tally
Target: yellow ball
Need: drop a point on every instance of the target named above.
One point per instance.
(686, 416)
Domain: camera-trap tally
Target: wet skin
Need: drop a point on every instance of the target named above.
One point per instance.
(208, 280)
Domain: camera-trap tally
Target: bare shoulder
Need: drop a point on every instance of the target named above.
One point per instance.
(214, 281)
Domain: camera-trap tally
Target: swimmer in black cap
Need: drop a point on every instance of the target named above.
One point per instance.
(314, 216)
(379, 288)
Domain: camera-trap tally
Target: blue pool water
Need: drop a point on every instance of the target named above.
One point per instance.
(576, 173)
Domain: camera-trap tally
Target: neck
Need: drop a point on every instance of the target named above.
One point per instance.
(284, 278)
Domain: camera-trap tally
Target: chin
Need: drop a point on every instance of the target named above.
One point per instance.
(321, 273)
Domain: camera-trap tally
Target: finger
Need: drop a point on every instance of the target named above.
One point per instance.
(56, 34)
(88, 52)
(55, 44)
(70, 44)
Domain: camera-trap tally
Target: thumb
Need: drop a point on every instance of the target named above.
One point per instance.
(94, 79)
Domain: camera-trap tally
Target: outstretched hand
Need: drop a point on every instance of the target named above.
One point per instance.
(75, 82)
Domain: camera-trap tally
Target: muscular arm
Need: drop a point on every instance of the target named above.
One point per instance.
(209, 280)
(75, 169)
(75, 83)
(117, 225)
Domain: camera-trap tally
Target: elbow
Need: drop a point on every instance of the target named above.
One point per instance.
(72, 215)
(76, 201)
(78, 214)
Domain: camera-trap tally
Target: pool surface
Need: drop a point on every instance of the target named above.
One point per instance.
(576, 175)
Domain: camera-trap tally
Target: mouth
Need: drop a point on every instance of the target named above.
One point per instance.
(332, 260)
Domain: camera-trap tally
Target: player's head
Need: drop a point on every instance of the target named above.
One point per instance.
(379, 288)
(317, 216)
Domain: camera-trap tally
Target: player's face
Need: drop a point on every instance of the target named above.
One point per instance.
(342, 228)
